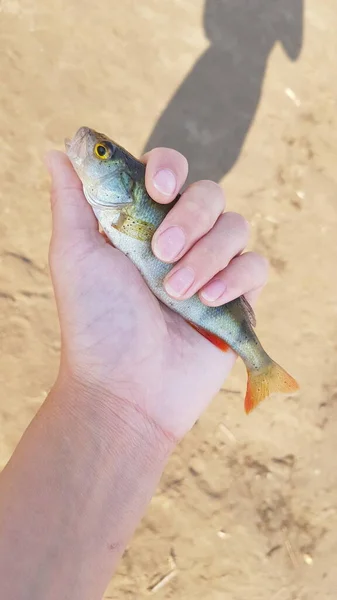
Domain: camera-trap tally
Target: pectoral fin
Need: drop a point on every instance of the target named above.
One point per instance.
(139, 230)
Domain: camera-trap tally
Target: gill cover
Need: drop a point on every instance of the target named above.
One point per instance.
(111, 191)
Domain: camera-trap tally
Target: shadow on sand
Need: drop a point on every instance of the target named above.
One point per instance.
(209, 116)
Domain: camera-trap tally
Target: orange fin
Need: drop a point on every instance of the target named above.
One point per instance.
(271, 379)
(211, 337)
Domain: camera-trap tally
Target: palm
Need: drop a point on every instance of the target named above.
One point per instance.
(118, 336)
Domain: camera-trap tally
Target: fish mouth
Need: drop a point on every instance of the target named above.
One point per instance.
(76, 148)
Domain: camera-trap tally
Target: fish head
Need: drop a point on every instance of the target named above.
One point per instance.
(107, 171)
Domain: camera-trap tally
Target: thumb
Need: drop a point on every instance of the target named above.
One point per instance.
(71, 212)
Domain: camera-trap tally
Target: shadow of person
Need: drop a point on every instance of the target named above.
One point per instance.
(209, 116)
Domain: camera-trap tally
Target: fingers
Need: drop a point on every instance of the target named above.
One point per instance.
(205, 244)
(208, 256)
(191, 218)
(70, 210)
(166, 173)
(244, 275)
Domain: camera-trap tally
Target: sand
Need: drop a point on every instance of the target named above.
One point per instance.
(247, 505)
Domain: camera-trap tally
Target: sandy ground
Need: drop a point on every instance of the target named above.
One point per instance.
(247, 506)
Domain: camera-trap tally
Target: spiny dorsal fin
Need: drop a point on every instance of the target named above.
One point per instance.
(249, 311)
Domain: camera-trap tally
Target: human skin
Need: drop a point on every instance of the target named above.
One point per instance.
(133, 379)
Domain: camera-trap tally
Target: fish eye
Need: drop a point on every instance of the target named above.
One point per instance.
(102, 151)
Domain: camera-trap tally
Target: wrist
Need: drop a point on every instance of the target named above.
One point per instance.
(76, 488)
(120, 456)
(110, 417)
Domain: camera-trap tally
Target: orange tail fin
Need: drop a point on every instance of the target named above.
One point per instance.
(271, 379)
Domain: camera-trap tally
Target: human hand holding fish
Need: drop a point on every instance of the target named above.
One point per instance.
(125, 311)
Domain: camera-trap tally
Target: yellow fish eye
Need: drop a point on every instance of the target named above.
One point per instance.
(102, 151)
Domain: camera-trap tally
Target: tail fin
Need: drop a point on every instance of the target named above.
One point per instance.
(269, 380)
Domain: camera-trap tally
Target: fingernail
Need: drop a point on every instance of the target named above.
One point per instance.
(214, 290)
(178, 283)
(169, 244)
(165, 182)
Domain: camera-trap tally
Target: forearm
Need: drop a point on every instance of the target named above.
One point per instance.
(72, 495)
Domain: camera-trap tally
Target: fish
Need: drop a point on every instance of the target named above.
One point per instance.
(113, 182)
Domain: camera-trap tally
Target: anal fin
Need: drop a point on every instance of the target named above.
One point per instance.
(211, 337)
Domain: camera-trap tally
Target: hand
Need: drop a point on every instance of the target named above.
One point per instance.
(117, 338)
(133, 379)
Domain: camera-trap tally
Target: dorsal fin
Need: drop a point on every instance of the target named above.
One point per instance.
(248, 310)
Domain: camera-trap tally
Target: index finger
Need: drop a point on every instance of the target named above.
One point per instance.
(166, 173)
